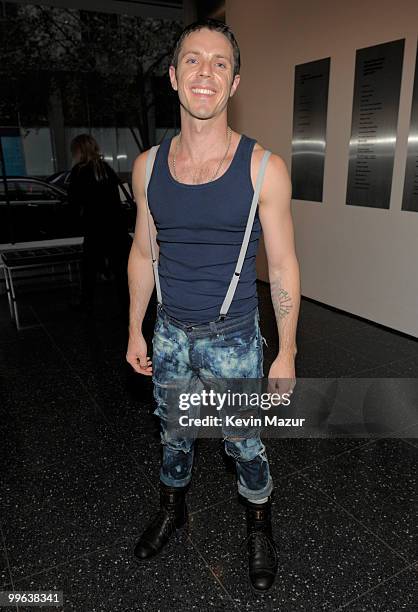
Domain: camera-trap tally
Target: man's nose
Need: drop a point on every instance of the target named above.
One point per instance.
(205, 67)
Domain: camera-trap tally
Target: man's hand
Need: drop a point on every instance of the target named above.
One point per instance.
(282, 377)
(137, 357)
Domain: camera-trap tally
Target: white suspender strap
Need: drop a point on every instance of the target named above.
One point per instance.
(148, 171)
(234, 280)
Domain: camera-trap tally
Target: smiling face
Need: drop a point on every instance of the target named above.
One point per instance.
(204, 75)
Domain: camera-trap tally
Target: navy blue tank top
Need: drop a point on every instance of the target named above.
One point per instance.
(200, 229)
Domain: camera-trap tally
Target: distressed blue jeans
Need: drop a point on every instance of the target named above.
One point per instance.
(192, 355)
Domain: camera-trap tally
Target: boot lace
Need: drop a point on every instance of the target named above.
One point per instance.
(165, 516)
(258, 541)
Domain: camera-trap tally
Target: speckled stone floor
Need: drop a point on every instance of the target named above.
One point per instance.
(80, 452)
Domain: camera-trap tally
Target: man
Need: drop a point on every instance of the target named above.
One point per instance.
(199, 198)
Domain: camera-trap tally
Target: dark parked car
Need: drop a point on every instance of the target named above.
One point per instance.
(39, 210)
(60, 179)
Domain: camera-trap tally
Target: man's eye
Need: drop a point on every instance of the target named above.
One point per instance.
(191, 59)
(222, 65)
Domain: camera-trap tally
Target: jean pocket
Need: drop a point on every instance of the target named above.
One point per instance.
(242, 340)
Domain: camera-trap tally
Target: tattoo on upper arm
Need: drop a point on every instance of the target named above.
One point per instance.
(282, 302)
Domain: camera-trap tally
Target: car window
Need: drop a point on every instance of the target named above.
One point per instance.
(35, 191)
(11, 188)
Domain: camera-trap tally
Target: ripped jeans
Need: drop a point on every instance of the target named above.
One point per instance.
(194, 354)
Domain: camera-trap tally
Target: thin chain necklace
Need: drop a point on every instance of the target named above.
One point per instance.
(220, 163)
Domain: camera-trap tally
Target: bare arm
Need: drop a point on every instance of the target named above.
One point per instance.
(283, 267)
(140, 273)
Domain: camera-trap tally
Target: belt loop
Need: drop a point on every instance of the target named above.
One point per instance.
(161, 311)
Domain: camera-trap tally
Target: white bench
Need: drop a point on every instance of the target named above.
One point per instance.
(29, 256)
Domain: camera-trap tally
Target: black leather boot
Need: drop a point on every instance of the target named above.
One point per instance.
(171, 516)
(262, 555)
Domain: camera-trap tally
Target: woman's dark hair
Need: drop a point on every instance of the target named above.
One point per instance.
(89, 152)
(209, 24)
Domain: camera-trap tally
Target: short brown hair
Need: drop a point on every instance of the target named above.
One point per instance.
(209, 24)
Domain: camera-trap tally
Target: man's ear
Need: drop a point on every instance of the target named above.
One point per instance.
(173, 78)
(234, 85)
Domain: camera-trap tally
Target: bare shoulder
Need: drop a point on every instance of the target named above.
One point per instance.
(275, 165)
(138, 167)
(138, 177)
(276, 178)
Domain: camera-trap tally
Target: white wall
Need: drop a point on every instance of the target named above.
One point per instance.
(359, 259)
(38, 151)
(116, 144)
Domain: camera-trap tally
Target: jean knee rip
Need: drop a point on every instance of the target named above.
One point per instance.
(246, 449)
(176, 444)
(163, 396)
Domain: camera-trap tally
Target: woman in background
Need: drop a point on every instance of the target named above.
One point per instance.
(94, 193)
